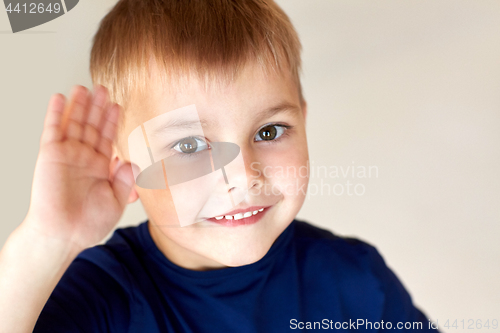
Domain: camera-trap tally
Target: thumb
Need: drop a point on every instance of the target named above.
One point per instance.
(122, 183)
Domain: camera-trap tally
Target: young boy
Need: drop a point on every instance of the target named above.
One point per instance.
(251, 268)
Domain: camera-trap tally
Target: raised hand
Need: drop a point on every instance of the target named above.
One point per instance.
(75, 197)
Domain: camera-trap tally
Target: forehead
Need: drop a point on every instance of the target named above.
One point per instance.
(252, 90)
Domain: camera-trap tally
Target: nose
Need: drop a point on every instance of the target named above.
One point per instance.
(246, 173)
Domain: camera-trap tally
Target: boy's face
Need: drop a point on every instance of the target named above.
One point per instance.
(263, 116)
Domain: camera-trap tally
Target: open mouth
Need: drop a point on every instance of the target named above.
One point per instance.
(248, 215)
(239, 216)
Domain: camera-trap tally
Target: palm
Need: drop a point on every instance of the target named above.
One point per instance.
(73, 195)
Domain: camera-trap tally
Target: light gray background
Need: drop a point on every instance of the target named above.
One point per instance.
(412, 87)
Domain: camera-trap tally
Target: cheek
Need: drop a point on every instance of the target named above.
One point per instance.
(287, 171)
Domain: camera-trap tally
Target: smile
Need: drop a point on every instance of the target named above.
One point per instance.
(239, 216)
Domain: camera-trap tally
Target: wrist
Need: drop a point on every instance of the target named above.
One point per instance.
(32, 228)
(31, 265)
(29, 241)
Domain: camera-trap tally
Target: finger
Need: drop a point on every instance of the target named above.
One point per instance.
(52, 123)
(108, 132)
(94, 121)
(76, 113)
(122, 184)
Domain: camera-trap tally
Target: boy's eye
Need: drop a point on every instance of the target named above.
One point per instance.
(190, 145)
(270, 132)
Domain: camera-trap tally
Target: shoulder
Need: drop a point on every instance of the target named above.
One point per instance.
(97, 289)
(118, 257)
(358, 272)
(353, 265)
(323, 244)
(106, 268)
(104, 265)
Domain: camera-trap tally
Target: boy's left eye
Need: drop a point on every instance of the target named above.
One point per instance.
(270, 132)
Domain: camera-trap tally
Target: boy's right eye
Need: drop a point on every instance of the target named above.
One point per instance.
(190, 145)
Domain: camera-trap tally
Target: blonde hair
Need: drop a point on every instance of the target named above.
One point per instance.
(211, 38)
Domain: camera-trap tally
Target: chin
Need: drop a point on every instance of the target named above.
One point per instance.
(242, 259)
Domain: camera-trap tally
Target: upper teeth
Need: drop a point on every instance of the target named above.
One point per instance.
(239, 215)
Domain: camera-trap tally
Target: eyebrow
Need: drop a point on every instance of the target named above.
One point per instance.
(283, 107)
(178, 124)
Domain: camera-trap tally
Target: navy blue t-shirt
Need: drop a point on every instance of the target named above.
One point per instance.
(310, 278)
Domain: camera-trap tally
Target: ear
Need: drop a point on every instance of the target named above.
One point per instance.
(133, 196)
